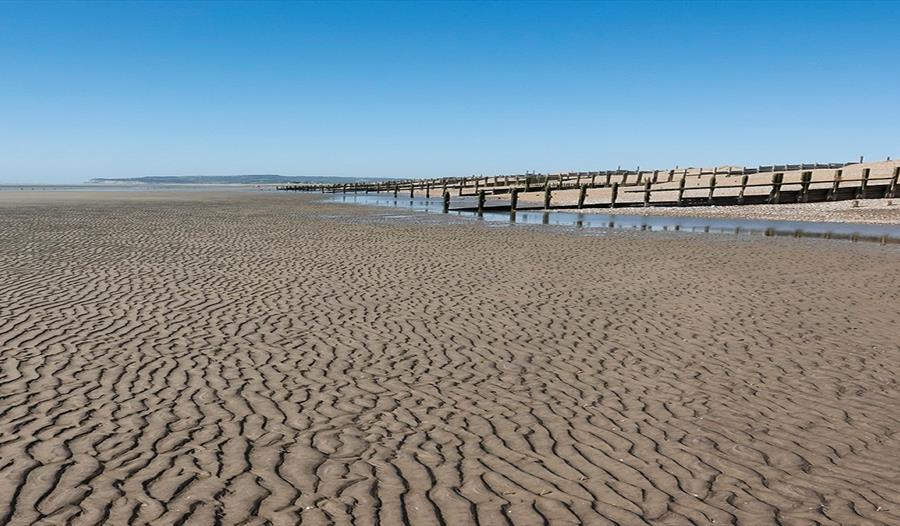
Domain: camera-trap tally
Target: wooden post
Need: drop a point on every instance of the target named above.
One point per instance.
(712, 188)
(680, 190)
(560, 181)
(837, 183)
(625, 178)
(477, 181)
(864, 184)
(775, 193)
(655, 176)
(446, 201)
(527, 184)
(578, 181)
(513, 199)
(608, 175)
(593, 179)
(480, 203)
(740, 198)
(582, 193)
(462, 183)
(547, 196)
(428, 191)
(412, 190)
(893, 186)
(671, 176)
(647, 193)
(805, 179)
(396, 190)
(615, 194)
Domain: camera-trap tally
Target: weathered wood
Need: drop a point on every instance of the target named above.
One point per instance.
(775, 193)
(446, 201)
(872, 185)
(647, 186)
(864, 184)
(805, 179)
(680, 200)
(513, 199)
(893, 186)
(582, 193)
(481, 202)
(838, 174)
(615, 194)
(547, 196)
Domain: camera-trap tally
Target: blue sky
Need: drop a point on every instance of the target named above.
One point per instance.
(440, 89)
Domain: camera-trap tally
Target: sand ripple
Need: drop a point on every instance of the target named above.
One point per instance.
(244, 359)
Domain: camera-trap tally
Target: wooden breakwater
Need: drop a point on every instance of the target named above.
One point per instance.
(773, 184)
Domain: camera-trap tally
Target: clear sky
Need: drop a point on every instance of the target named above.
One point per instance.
(440, 89)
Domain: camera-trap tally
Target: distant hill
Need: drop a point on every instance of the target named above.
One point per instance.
(228, 179)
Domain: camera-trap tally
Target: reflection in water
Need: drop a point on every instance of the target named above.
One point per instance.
(851, 231)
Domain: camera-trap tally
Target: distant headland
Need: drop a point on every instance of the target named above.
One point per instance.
(231, 179)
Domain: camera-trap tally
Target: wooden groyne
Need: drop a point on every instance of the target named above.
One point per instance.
(773, 184)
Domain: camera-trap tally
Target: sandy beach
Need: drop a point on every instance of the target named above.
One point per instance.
(877, 211)
(264, 358)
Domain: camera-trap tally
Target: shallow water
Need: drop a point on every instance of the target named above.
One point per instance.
(767, 227)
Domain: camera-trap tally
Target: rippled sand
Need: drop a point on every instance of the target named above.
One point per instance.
(258, 358)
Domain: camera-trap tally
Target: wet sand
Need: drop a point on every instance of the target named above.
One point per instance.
(260, 358)
(875, 211)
